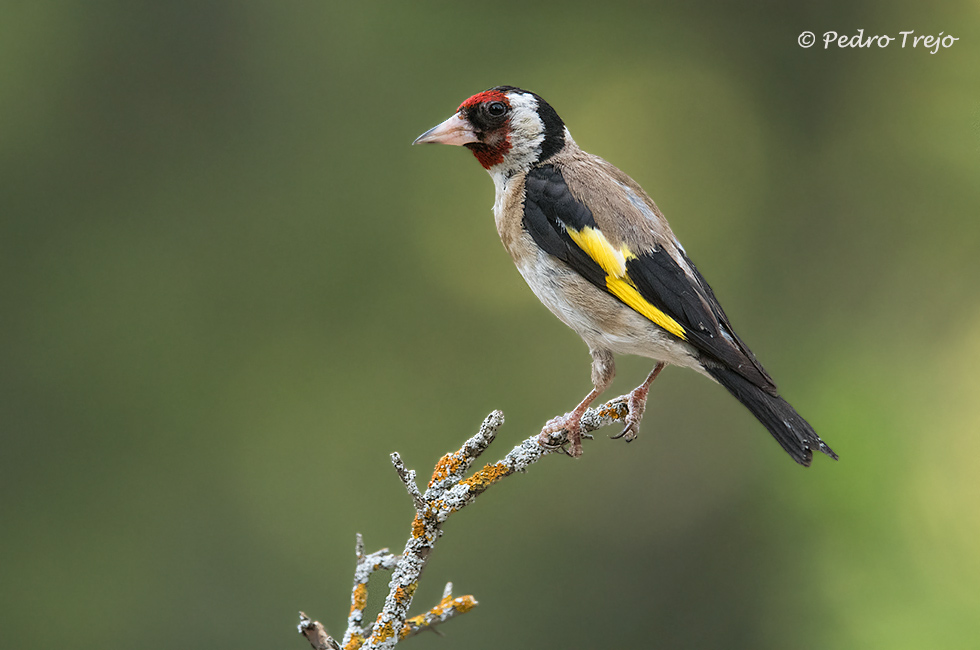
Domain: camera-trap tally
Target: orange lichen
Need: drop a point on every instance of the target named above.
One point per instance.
(437, 614)
(356, 641)
(418, 527)
(382, 632)
(486, 477)
(611, 411)
(403, 595)
(447, 465)
(412, 624)
(464, 604)
(359, 601)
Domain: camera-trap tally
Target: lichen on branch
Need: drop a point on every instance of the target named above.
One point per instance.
(447, 492)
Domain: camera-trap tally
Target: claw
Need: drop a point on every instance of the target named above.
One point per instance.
(637, 405)
(628, 432)
(571, 424)
(544, 440)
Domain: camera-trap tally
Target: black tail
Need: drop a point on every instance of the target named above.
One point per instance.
(791, 431)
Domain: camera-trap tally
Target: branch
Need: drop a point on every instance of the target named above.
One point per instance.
(316, 634)
(446, 493)
(447, 608)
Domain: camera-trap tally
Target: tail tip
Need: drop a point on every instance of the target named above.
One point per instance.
(825, 448)
(805, 455)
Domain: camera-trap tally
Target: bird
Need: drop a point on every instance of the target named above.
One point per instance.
(600, 255)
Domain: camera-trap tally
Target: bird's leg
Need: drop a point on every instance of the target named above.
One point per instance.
(638, 404)
(571, 423)
(603, 371)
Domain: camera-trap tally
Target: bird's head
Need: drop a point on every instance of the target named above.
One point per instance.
(506, 128)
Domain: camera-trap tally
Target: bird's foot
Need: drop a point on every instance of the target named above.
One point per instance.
(571, 424)
(637, 406)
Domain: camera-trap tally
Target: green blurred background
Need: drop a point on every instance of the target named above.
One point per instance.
(230, 288)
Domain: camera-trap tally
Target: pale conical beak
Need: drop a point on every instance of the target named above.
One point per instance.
(455, 130)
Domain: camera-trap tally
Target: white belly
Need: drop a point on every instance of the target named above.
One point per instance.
(601, 320)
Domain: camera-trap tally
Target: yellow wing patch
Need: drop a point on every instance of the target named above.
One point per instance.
(623, 289)
(613, 262)
(595, 244)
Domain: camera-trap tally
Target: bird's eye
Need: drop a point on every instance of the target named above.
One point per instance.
(496, 109)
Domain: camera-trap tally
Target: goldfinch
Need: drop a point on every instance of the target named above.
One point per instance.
(597, 251)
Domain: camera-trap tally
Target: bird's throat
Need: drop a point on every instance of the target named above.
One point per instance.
(490, 155)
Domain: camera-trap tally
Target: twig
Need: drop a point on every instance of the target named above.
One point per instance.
(315, 634)
(408, 478)
(447, 608)
(446, 493)
(366, 565)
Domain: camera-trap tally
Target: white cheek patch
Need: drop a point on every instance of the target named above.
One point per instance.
(526, 135)
(525, 124)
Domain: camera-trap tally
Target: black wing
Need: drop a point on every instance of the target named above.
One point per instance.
(555, 218)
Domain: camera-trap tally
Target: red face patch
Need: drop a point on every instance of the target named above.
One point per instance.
(496, 141)
(485, 96)
(490, 156)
